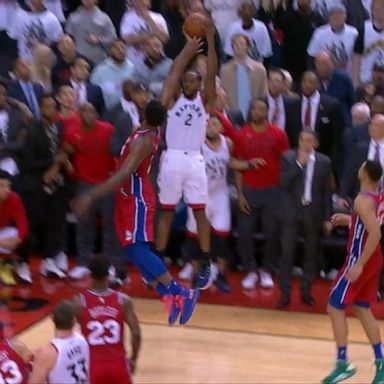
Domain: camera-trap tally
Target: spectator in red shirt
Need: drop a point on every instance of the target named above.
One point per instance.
(258, 190)
(68, 114)
(13, 229)
(89, 146)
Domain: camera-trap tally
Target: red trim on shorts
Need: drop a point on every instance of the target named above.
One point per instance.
(168, 207)
(220, 233)
(192, 235)
(197, 206)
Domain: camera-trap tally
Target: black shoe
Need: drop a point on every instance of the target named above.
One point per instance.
(307, 298)
(222, 283)
(284, 301)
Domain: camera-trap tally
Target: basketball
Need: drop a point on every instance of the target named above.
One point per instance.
(194, 25)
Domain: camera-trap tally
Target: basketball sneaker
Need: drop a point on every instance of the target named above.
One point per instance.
(6, 275)
(188, 306)
(175, 305)
(187, 272)
(204, 278)
(342, 371)
(61, 260)
(49, 268)
(23, 272)
(222, 283)
(379, 377)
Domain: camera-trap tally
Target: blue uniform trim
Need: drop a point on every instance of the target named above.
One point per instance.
(141, 210)
(340, 290)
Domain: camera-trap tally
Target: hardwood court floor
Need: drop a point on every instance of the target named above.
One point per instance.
(228, 344)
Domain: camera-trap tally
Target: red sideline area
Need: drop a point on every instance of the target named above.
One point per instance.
(24, 305)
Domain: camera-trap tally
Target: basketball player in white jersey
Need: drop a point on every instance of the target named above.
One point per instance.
(66, 358)
(182, 169)
(217, 153)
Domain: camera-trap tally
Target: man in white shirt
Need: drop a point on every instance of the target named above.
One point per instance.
(256, 31)
(138, 25)
(337, 38)
(223, 12)
(37, 26)
(112, 72)
(369, 47)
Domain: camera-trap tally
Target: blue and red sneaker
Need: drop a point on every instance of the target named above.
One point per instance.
(174, 305)
(189, 304)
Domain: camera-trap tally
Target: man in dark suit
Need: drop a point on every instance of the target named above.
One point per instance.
(84, 90)
(306, 202)
(278, 103)
(335, 83)
(13, 131)
(24, 90)
(45, 189)
(320, 113)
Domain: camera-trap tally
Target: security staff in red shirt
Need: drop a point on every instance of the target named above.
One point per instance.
(258, 191)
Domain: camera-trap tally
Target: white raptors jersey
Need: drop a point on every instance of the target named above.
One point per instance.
(373, 51)
(187, 122)
(216, 164)
(72, 366)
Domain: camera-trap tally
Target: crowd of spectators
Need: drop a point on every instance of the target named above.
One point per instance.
(76, 76)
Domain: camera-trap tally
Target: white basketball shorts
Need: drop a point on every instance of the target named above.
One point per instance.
(182, 174)
(218, 212)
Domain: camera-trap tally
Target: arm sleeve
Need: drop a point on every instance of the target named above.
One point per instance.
(284, 142)
(70, 26)
(314, 45)
(55, 30)
(328, 193)
(238, 149)
(266, 46)
(290, 172)
(126, 26)
(109, 32)
(160, 21)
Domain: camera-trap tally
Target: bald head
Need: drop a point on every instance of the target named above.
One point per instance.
(377, 105)
(376, 129)
(361, 113)
(324, 64)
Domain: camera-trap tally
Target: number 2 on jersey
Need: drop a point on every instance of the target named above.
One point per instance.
(188, 120)
(98, 334)
(10, 369)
